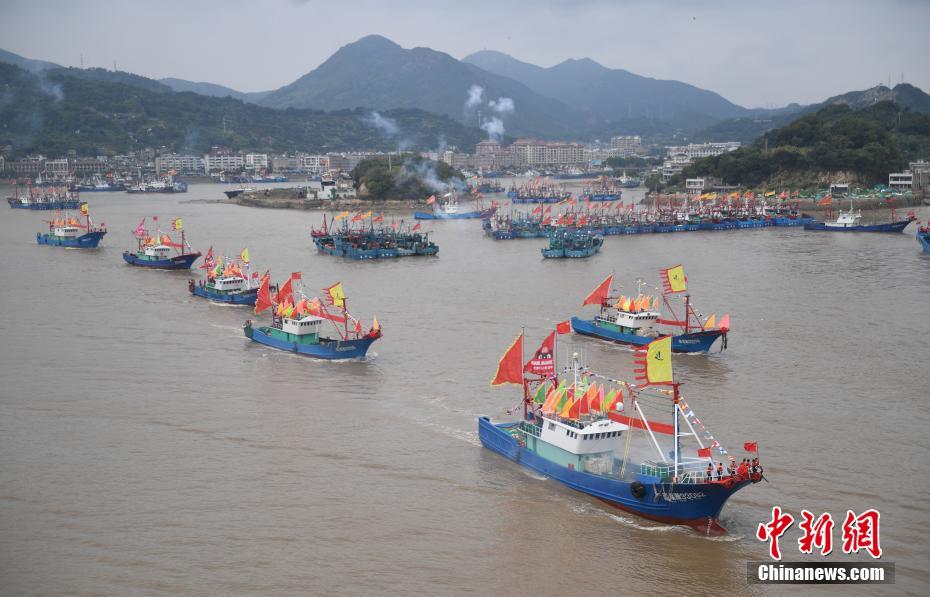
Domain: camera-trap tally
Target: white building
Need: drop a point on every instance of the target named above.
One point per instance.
(256, 161)
(315, 163)
(696, 151)
(179, 163)
(694, 185)
(624, 145)
(223, 162)
(898, 181)
(57, 168)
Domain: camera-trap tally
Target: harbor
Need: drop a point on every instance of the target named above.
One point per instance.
(426, 380)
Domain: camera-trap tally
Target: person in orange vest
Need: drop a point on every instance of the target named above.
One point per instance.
(710, 472)
(720, 471)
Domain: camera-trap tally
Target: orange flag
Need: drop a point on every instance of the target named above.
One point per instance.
(599, 295)
(510, 367)
(263, 301)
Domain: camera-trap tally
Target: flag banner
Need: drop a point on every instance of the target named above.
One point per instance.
(599, 295)
(510, 366)
(655, 361)
(244, 255)
(751, 447)
(543, 363)
(674, 279)
(656, 427)
(704, 452)
(336, 295)
(563, 327)
(178, 224)
(263, 300)
(285, 293)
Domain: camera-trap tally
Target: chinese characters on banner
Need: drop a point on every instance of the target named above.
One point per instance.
(859, 532)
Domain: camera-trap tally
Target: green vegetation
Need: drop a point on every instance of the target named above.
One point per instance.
(95, 112)
(634, 162)
(407, 177)
(867, 143)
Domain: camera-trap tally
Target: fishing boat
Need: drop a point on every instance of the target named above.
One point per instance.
(449, 210)
(68, 231)
(591, 433)
(158, 251)
(572, 244)
(296, 324)
(634, 320)
(923, 237)
(98, 185)
(851, 221)
(50, 198)
(366, 241)
(229, 281)
(165, 185)
(236, 192)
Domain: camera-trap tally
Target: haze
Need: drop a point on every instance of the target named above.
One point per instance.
(753, 53)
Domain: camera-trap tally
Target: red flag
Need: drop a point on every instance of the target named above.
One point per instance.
(357, 217)
(380, 218)
(431, 200)
(564, 327)
(510, 367)
(724, 323)
(751, 447)
(599, 295)
(285, 293)
(704, 453)
(548, 210)
(417, 227)
(295, 275)
(263, 300)
(542, 362)
(827, 200)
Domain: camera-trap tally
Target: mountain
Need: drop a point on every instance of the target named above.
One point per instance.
(609, 94)
(863, 144)
(213, 90)
(95, 113)
(376, 73)
(903, 94)
(26, 63)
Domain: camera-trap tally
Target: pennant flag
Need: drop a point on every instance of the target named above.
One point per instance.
(84, 208)
(827, 200)
(299, 308)
(542, 362)
(563, 327)
(541, 392)
(596, 402)
(608, 403)
(711, 322)
(656, 362)
(366, 215)
(357, 217)
(704, 453)
(244, 255)
(584, 403)
(510, 367)
(375, 326)
(285, 293)
(177, 224)
(431, 200)
(139, 232)
(725, 323)
(553, 397)
(380, 218)
(599, 295)
(674, 279)
(565, 398)
(341, 216)
(263, 300)
(336, 295)
(751, 447)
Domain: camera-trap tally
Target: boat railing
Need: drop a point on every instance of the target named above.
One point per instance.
(531, 429)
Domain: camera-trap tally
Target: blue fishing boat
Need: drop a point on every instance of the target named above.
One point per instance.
(580, 429)
(229, 281)
(851, 221)
(572, 244)
(67, 231)
(449, 210)
(923, 237)
(50, 199)
(159, 251)
(635, 320)
(296, 327)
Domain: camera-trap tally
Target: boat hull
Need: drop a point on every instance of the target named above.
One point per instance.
(888, 227)
(697, 505)
(85, 241)
(246, 297)
(924, 239)
(465, 215)
(45, 206)
(327, 349)
(178, 262)
(686, 343)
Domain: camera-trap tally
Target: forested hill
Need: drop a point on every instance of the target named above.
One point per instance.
(95, 113)
(864, 144)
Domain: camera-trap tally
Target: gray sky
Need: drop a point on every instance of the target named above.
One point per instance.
(753, 53)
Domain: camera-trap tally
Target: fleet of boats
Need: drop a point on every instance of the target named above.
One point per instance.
(43, 198)
(366, 236)
(447, 208)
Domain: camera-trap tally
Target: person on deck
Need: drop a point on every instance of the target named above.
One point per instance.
(710, 472)
(720, 471)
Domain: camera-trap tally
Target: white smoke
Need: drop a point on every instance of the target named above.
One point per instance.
(503, 105)
(386, 125)
(494, 127)
(475, 96)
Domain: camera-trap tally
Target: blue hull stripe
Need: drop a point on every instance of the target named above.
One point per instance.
(179, 262)
(85, 241)
(247, 297)
(326, 349)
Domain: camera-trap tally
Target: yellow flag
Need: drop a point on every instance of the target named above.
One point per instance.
(675, 279)
(567, 409)
(366, 215)
(178, 224)
(244, 255)
(374, 324)
(340, 216)
(336, 295)
(657, 362)
(84, 208)
(711, 322)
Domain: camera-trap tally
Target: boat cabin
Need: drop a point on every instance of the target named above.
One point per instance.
(229, 283)
(588, 446)
(628, 323)
(308, 325)
(66, 231)
(846, 219)
(158, 252)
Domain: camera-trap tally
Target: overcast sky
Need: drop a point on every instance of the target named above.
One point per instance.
(754, 53)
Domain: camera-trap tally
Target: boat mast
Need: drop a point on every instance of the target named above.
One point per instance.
(687, 315)
(675, 407)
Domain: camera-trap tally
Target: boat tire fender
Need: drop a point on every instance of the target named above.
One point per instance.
(638, 490)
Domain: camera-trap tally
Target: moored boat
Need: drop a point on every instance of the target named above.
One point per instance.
(634, 320)
(572, 244)
(591, 432)
(159, 251)
(449, 210)
(296, 323)
(68, 231)
(923, 237)
(50, 198)
(851, 221)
